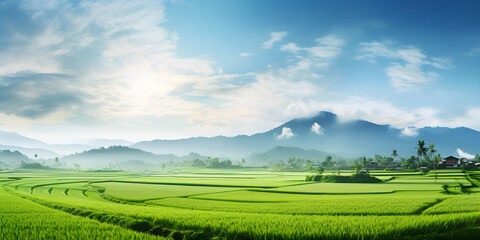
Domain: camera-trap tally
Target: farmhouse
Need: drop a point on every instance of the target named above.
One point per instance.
(451, 162)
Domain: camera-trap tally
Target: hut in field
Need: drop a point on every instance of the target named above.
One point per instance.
(451, 162)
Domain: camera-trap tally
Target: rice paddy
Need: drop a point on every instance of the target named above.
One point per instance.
(235, 204)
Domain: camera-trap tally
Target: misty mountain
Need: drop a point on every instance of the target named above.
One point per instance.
(15, 139)
(12, 159)
(29, 146)
(124, 157)
(66, 149)
(284, 153)
(108, 143)
(325, 132)
(30, 152)
(101, 157)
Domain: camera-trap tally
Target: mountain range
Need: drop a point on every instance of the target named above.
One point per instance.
(280, 153)
(326, 132)
(323, 132)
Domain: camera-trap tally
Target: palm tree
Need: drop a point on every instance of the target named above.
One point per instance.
(421, 149)
(436, 160)
(432, 152)
(394, 153)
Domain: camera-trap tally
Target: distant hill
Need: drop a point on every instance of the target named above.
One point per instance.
(108, 142)
(122, 156)
(15, 139)
(284, 153)
(325, 132)
(30, 152)
(101, 157)
(322, 132)
(12, 159)
(29, 146)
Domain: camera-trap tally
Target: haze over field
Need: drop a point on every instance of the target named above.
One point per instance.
(72, 71)
(239, 119)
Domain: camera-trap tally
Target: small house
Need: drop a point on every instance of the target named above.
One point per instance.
(451, 162)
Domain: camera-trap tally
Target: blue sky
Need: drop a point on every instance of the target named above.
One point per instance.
(170, 69)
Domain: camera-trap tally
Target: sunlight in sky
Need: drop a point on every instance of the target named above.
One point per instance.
(173, 69)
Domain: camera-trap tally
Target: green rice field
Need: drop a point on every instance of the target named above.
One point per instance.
(235, 204)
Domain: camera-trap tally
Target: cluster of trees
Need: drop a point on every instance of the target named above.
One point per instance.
(297, 164)
(427, 157)
(213, 163)
(34, 165)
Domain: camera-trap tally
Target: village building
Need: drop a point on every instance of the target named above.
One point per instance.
(451, 162)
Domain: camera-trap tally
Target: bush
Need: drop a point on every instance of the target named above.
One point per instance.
(316, 178)
(32, 166)
(356, 178)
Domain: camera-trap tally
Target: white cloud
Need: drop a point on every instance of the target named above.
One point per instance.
(112, 58)
(278, 89)
(463, 154)
(370, 109)
(319, 56)
(370, 50)
(471, 118)
(290, 47)
(384, 112)
(286, 133)
(133, 78)
(409, 73)
(474, 52)
(410, 131)
(328, 46)
(317, 129)
(274, 37)
(442, 63)
(246, 54)
(409, 76)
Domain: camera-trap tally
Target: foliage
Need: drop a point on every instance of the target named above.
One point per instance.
(34, 165)
(320, 170)
(238, 204)
(356, 178)
(198, 163)
(216, 163)
(23, 219)
(421, 149)
(410, 163)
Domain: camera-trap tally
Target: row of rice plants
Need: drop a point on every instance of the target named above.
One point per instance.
(275, 226)
(457, 204)
(139, 192)
(23, 219)
(391, 204)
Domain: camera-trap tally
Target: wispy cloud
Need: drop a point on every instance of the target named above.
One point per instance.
(277, 88)
(34, 95)
(246, 54)
(407, 66)
(286, 133)
(117, 51)
(463, 154)
(274, 37)
(374, 110)
(310, 59)
(473, 52)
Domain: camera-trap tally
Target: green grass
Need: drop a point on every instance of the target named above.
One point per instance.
(139, 192)
(462, 203)
(246, 204)
(343, 188)
(23, 219)
(393, 204)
